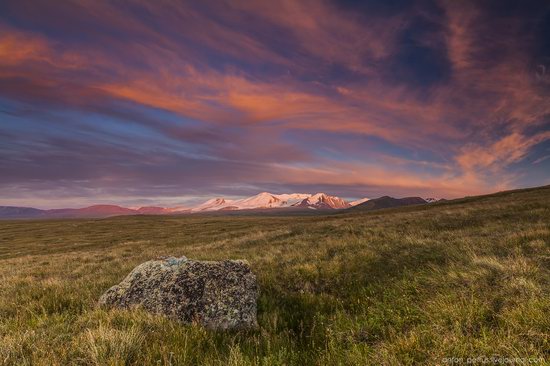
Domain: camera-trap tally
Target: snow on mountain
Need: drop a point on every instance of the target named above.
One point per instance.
(212, 205)
(293, 198)
(261, 200)
(324, 201)
(269, 200)
(358, 202)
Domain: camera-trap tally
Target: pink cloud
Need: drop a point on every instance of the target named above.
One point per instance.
(479, 121)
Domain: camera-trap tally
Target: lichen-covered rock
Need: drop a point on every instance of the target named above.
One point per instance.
(218, 295)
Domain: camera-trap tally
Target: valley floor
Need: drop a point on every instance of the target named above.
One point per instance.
(408, 286)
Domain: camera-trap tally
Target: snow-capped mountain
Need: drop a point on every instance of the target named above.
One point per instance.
(324, 201)
(269, 200)
(358, 202)
(211, 205)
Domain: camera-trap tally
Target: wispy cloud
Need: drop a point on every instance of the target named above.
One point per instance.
(191, 97)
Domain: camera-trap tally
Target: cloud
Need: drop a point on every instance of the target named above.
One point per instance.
(266, 93)
(502, 153)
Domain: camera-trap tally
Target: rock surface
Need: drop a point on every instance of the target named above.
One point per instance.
(217, 295)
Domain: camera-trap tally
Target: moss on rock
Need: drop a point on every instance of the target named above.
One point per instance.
(217, 295)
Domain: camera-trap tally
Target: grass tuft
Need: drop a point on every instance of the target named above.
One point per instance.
(109, 346)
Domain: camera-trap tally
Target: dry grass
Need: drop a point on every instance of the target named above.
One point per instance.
(108, 346)
(404, 286)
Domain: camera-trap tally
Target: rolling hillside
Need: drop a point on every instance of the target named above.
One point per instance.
(402, 286)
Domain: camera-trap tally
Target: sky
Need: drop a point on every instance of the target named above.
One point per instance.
(172, 102)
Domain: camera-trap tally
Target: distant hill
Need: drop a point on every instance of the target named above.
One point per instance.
(153, 210)
(387, 202)
(262, 203)
(91, 211)
(11, 212)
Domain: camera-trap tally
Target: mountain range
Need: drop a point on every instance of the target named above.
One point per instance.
(261, 201)
(269, 200)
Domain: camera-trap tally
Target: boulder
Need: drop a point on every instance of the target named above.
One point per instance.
(217, 295)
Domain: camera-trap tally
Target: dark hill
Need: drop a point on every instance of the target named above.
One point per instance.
(387, 202)
(11, 212)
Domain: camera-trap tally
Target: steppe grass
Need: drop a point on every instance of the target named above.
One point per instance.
(406, 286)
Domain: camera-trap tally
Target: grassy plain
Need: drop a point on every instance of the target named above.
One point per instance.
(402, 286)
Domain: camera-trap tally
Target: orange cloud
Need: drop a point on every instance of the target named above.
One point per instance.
(509, 149)
(172, 73)
(18, 49)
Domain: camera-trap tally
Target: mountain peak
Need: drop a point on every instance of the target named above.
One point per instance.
(319, 195)
(211, 205)
(324, 201)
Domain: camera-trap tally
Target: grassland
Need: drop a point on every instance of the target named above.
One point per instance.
(402, 286)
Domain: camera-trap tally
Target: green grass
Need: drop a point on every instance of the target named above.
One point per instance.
(402, 286)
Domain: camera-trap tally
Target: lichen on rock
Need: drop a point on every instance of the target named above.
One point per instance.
(217, 295)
